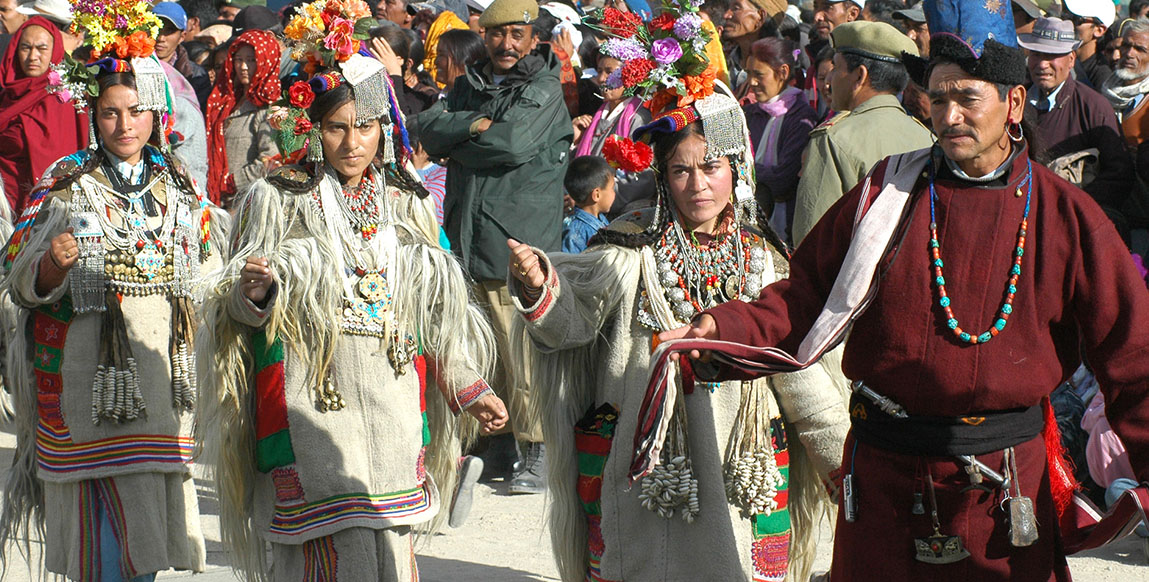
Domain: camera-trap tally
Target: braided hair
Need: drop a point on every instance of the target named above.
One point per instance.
(393, 172)
(664, 145)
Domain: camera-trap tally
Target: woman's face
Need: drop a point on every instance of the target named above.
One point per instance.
(244, 66)
(123, 128)
(700, 189)
(447, 70)
(824, 69)
(34, 53)
(765, 82)
(349, 149)
(607, 66)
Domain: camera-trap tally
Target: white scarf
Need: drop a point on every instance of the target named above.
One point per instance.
(1121, 96)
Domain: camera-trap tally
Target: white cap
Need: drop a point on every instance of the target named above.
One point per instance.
(860, 3)
(58, 11)
(479, 5)
(1102, 10)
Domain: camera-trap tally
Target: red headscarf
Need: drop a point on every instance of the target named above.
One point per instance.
(36, 128)
(263, 91)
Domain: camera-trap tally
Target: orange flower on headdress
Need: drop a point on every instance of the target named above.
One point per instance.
(698, 86)
(141, 44)
(661, 101)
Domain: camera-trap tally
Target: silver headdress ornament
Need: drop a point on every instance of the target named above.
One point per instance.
(724, 126)
(151, 84)
(368, 79)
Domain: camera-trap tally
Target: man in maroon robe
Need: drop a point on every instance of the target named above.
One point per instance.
(971, 325)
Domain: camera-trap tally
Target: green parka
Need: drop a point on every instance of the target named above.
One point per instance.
(507, 181)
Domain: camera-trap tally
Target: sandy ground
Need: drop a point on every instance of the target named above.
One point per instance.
(506, 540)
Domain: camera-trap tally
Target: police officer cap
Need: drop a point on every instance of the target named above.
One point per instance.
(874, 40)
(502, 12)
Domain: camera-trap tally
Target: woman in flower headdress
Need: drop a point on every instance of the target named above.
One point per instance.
(239, 140)
(104, 264)
(36, 127)
(348, 315)
(738, 488)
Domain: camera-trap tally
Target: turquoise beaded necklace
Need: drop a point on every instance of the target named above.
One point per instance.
(935, 249)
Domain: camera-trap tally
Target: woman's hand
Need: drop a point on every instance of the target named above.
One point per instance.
(563, 41)
(490, 412)
(60, 257)
(384, 54)
(579, 124)
(703, 327)
(525, 265)
(255, 279)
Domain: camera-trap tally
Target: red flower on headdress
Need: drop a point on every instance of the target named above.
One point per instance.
(300, 95)
(624, 154)
(619, 23)
(302, 126)
(636, 71)
(664, 21)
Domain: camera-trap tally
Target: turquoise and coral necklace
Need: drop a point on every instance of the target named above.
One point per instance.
(935, 249)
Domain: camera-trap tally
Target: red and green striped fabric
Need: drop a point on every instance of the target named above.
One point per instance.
(272, 434)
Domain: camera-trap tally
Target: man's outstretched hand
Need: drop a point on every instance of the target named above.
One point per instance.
(703, 327)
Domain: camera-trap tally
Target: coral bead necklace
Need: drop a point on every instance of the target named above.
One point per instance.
(935, 249)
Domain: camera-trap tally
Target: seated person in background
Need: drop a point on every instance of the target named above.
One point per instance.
(590, 182)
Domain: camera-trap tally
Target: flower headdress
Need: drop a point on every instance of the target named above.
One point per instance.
(325, 32)
(122, 36)
(664, 61)
(331, 35)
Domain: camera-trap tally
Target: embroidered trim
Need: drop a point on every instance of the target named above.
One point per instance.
(320, 561)
(288, 490)
(771, 558)
(58, 454)
(93, 493)
(468, 396)
(296, 521)
(550, 289)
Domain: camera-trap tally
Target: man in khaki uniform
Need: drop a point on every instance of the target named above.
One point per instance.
(868, 74)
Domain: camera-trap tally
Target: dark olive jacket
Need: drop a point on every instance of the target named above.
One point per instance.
(507, 181)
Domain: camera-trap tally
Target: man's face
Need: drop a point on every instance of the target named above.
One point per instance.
(507, 44)
(1048, 71)
(742, 18)
(828, 14)
(395, 11)
(228, 13)
(168, 40)
(969, 116)
(843, 83)
(9, 18)
(1134, 62)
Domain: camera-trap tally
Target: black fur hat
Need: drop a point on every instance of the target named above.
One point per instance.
(998, 63)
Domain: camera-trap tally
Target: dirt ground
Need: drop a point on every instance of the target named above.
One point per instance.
(506, 540)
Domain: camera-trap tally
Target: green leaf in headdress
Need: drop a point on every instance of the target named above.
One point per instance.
(363, 28)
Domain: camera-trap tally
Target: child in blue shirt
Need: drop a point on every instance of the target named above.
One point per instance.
(590, 182)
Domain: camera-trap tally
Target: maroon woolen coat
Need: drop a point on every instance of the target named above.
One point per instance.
(1078, 295)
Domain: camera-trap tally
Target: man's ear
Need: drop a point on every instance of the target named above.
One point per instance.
(853, 12)
(1099, 31)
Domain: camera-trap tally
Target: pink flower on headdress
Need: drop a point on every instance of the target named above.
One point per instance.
(339, 39)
